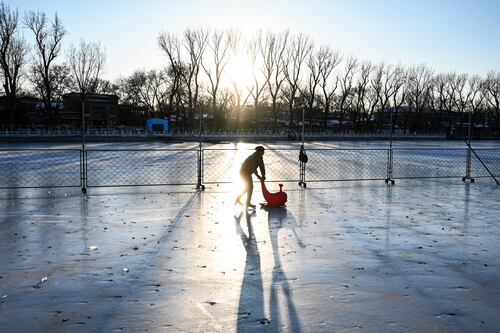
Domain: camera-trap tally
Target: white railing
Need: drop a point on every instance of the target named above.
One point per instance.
(140, 132)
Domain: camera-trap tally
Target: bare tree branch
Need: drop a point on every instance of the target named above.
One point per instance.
(13, 51)
(87, 63)
(48, 36)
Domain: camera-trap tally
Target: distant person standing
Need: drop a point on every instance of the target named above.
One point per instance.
(248, 167)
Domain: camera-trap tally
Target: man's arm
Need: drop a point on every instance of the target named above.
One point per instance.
(262, 168)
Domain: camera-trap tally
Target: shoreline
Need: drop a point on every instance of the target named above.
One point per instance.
(217, 139)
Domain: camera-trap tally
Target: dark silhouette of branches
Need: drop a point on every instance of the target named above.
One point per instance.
(13, 51)
(87, 63)
(48, 37)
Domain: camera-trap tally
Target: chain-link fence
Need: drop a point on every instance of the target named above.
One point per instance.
(93, 168)
(40, 168)
(223, 165)
(141, 167)
(491, 158)
(346, 164)
(428, 163)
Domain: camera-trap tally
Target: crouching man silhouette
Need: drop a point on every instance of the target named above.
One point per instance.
(248, 167)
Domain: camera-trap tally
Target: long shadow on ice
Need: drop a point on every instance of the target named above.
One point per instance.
(251, 309)
(282, 313)
(251, 304)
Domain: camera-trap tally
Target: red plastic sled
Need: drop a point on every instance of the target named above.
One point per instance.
(277, 199)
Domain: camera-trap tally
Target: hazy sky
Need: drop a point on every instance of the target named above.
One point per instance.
(448, 35)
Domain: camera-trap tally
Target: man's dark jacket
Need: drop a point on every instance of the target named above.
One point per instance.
(251, 164)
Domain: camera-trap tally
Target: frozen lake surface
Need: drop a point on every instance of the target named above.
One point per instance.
(341, 144)
(419, 256)
(157, 163)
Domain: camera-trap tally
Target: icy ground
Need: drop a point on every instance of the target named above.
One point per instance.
(420, 256)
(342, 257)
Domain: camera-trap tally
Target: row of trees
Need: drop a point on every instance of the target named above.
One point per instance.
(47, 79)
(280, 75)
(289, 74)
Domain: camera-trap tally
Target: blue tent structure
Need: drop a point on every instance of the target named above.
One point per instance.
(156, 121)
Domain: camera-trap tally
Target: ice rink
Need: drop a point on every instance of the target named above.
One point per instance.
(419, 256)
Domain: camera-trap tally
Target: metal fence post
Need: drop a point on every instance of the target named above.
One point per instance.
(389, 166)
(83, 169)
(468, 165)
(199, 185)
(302, 174)
(302, 166)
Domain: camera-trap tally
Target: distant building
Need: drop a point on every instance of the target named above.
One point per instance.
(101, 110)
(25, 106)
(132, 115)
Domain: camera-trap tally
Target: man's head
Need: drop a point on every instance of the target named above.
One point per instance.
(260, 150)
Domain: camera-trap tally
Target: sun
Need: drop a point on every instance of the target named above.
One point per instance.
(239, 71)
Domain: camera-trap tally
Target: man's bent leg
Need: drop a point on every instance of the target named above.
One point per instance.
(249, 184)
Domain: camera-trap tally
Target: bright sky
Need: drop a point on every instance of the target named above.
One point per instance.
(448, 35)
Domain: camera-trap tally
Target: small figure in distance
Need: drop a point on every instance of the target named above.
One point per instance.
(249, 167)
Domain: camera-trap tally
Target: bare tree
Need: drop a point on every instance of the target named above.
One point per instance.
(438, 98)
(400, 84)
(346, 82)
(420, 82)
(450, 98)
(225, 102)
(328, 83)
(259, 81)
(195, 43)
(463, 94)
(106, 87)
(59, 77)
(220, 45)
(315, 64)
(476, 86)
(87, 63)
(384, 86)
(48, 36)
(147, 89)
(492, 86)
(239, 98)
(364, 102)
(170, 44)
(13, 51)
(298, 50)
(273, 52)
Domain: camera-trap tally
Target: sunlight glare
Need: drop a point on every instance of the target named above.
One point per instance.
(240, 71)
(233, 253)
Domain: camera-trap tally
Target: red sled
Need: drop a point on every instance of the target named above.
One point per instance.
(277, 199)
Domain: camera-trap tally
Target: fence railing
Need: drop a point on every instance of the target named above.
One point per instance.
(223, 165)
(193, 133)
(491, 158)
(428, 163)
(20, 168)
(140, 167)
(346, 164)
(40, 168)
